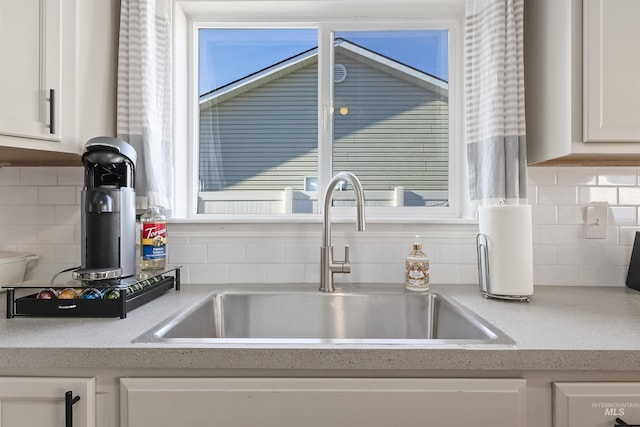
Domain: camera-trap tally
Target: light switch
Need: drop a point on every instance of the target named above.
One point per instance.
(596, 220)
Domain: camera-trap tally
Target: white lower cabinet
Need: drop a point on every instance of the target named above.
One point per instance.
(320, 402)
(596, 404)
(44, 402)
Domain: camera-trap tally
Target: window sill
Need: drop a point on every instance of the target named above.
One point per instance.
(315, 219)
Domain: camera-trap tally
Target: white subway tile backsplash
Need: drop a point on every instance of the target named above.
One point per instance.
(40, 212)
(51, 234)
(544, 214)
(560, 234)
(627, 235)
(9, 176)
(458, 253)
(602, 275)
(597, 194)
(35, 215)
(67, 215)
(376, 252)
(468, 273)
(301, 252)
(448, 273)
(393, 273)
(556, 195)
(249, 272)
(71, 176)
(623, 215)
(629, 195)
(180, 253)
(285, 273)
(66, 254)
(221, 253)
(571, 215)
(57, 195)
(39, 176)
(616, 176)
(537, 176)
(207, 273)
(576, 176)
(312, 272)
(545, 254)
(18, 196)
(556, 274)
(8, 215)
(265, 252)
(364, 273)
(19, 234)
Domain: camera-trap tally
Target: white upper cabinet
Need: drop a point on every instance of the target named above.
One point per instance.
(57, 78)
(582, 62)
(30, 74)
(611, 70)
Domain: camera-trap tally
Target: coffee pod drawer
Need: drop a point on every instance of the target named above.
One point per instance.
(91, 299)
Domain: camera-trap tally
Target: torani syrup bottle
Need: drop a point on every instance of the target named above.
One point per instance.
(153, 240)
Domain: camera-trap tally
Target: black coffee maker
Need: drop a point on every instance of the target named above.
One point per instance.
(108, 207)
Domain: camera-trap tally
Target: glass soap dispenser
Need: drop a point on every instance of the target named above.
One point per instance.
(417, 269)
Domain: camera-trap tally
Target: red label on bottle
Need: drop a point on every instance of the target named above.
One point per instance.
(153, 231)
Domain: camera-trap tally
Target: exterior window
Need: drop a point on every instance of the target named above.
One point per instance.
(258, 118)
(270, 135)
(391, 114)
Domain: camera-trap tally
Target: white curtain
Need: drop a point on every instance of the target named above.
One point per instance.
(494, 101)
(144, 95)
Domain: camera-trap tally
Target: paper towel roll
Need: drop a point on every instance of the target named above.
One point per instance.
(508, 229)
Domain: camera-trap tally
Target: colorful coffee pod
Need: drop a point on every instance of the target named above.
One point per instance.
(47, 293)
(68, 293)
(91, 293)
(112, 294)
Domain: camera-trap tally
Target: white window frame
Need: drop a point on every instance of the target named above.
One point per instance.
(334, 16)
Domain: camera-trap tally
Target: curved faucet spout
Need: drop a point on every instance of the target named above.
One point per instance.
(328, 198)
(327, 265)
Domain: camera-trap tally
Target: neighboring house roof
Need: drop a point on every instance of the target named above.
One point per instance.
(352, 50)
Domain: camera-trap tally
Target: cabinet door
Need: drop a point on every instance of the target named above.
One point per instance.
(611, 69)
(30, 62)
(595, 404)
(36, 401)
(321, 402)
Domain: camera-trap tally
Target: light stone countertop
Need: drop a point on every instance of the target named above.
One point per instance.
(562, 328)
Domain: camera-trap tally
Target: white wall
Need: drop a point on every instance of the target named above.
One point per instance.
(40, 212)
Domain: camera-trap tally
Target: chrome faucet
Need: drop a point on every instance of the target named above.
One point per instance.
(328, 267)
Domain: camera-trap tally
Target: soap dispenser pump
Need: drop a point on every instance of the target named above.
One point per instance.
(417, 269)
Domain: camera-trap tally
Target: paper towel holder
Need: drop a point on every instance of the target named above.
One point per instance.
(484, 273)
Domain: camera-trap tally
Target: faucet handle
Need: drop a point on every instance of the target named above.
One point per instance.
(346, 265)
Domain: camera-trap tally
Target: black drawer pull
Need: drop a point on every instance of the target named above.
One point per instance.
(52, 111)
(620, 423)
(69, 401)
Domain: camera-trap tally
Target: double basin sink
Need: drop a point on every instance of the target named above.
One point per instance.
(297, 314)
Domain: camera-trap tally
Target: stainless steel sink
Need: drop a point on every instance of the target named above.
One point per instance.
(291, 316)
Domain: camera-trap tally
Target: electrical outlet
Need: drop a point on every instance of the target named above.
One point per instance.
(596, 221)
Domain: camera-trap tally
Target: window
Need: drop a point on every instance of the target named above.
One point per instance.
(283, 106)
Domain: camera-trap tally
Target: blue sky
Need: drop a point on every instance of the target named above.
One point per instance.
(227, 55)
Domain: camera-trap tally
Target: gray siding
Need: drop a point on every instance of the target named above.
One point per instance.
(267, 137)
(396, 133)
